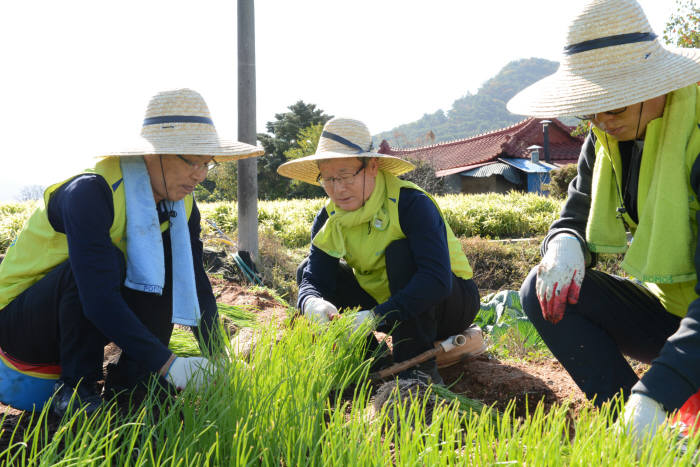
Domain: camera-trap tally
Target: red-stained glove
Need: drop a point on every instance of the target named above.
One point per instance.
(688, 415)
(559, 276)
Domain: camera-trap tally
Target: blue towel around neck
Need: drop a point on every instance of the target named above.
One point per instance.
(145, 263)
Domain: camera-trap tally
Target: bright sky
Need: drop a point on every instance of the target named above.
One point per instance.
(77, 74)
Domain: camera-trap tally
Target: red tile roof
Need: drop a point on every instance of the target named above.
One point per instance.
(512, 141)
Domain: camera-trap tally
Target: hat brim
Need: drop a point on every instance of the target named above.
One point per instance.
(306, 170)
(569, 93)
(193, 145)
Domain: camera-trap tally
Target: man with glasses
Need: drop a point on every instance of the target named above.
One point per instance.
(382, 244)
(636, 193)
(114, 255)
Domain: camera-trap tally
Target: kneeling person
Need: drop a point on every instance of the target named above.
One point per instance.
(381, 243)
(114, 254)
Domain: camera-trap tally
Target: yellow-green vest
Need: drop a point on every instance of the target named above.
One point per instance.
(675, 297)
(39, 248)
(365, 252)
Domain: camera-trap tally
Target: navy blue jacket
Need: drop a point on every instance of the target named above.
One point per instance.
(425, 230)
(83, 209)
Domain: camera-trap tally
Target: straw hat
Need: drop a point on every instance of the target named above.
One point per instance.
(341, 137)
(612, 59)
(178, 122)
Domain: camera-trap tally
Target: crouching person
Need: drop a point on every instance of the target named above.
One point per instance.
(114, 254)
(638, 172)
(381, 243)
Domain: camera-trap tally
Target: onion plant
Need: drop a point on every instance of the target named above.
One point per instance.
(304, 399)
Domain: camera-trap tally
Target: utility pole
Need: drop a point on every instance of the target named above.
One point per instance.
(247, 168)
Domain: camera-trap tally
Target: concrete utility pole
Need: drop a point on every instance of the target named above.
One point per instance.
(247, 168)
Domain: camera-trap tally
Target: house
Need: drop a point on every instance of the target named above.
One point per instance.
(518, 157)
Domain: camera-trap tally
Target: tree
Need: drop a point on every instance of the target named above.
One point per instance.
(582, 128)
(31, 192)
(306, 144)
(222, 184)
(559, 180)
(283, 136)
(683, 28)
(424, 176)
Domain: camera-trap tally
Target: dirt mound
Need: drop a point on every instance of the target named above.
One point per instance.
(497, 383)
(259, 301)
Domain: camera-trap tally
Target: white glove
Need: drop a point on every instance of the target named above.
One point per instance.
(642, 416)
(319, 310)
(559, 276)
(188, 371)
(360, 317)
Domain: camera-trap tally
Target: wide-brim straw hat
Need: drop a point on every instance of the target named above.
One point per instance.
(612, 59)
(179, 122)
(341, 138)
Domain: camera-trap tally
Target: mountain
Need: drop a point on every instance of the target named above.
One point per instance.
(473, 114)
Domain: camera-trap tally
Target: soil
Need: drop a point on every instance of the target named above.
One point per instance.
(485, 378)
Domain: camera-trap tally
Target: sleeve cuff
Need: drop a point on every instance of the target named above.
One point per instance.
(665, 386)
(587, 256)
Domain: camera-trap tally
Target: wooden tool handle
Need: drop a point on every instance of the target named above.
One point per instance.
(398, 367)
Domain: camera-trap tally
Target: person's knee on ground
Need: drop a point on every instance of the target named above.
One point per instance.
(452, 316)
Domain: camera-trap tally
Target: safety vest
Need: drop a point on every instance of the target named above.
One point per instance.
(365, 251)
(39, 248)
(675, 297)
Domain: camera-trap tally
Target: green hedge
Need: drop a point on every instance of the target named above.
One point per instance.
(12, 219)
(485, 215)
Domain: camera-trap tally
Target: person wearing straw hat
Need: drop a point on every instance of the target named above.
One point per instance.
(638, 172)
(402, 265)
(114, 254)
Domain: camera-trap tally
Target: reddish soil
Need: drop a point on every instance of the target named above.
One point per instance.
(265, 306)
(485, 378)
(495, 382)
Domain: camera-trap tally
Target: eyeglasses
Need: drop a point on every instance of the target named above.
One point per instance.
(210, 165)
(344, 179)
(609, 112)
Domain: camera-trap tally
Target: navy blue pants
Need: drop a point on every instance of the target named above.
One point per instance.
(614, 317)
(413, 336)
(45, 324)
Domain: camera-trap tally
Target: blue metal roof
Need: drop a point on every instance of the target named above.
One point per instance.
(497, 168)
(526, 165)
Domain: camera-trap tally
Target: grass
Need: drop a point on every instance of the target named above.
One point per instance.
(183, 343)
(283, 408)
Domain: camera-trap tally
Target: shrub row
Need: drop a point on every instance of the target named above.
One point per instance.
(12, 219)
(485, 215)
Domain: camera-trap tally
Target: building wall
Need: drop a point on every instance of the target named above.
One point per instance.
(453, 183)
(492, 184)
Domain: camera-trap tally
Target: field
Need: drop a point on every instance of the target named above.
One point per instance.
(303, 397)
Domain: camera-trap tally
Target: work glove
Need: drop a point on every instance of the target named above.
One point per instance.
(642, 416)
(188, 371)
(559, 276)
(319, 310)
(360, 318)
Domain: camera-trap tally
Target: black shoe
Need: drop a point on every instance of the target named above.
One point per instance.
(67, 398)
(427, 372)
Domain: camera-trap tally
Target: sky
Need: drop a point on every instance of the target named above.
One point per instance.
(77, 75)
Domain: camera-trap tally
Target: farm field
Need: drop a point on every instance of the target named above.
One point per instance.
(304, 397)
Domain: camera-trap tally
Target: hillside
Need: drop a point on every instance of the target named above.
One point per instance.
(474, 113)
